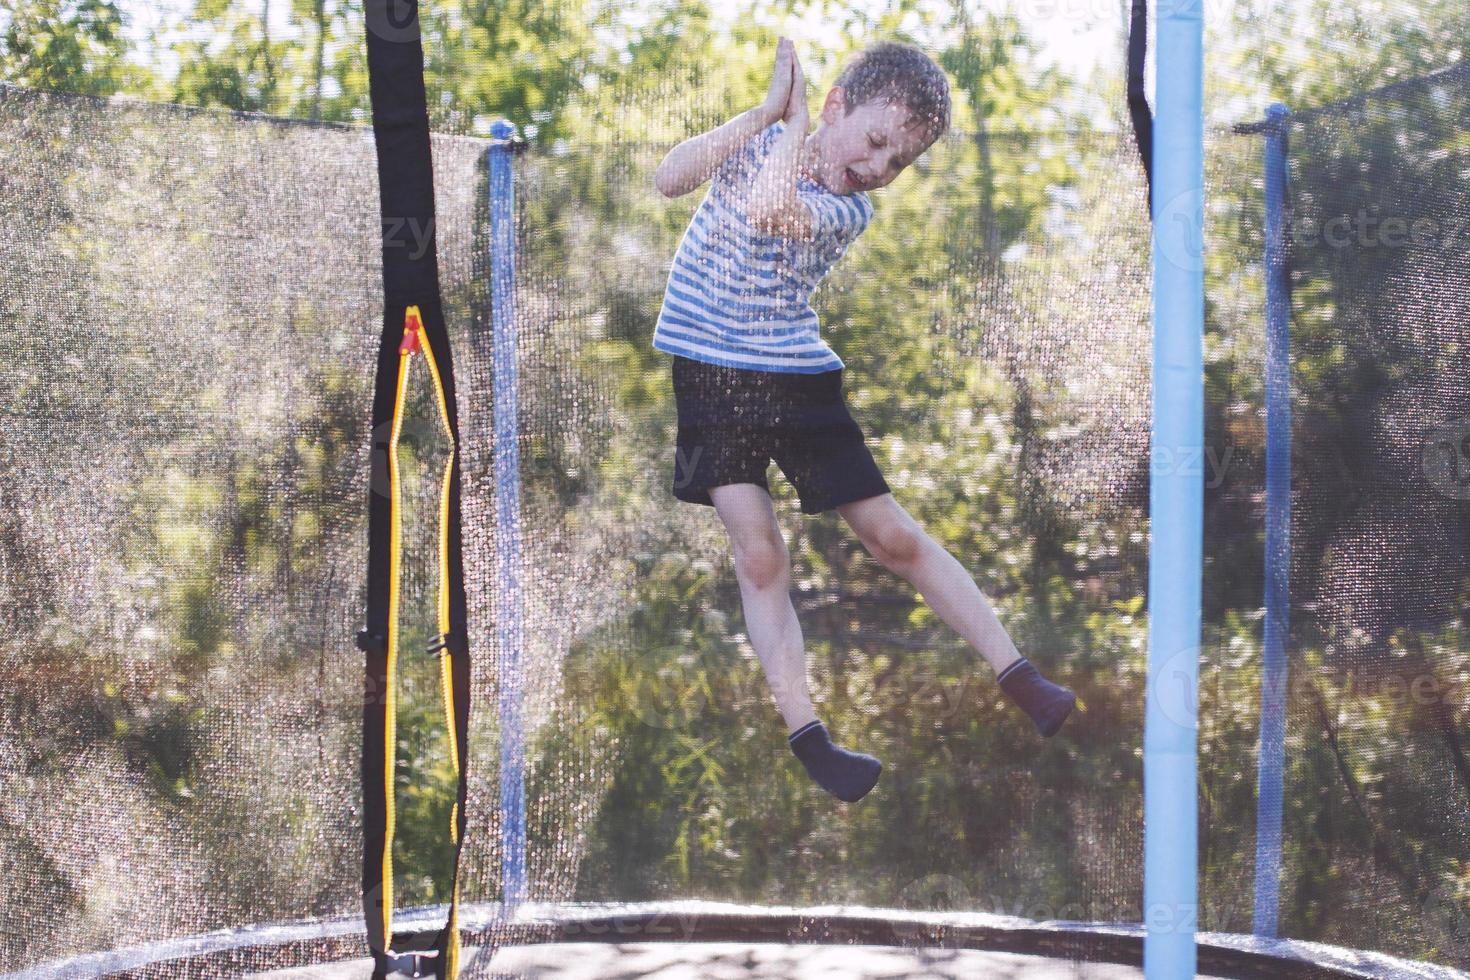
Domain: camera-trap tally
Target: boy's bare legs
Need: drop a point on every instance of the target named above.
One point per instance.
(898, 543)
(763, 569)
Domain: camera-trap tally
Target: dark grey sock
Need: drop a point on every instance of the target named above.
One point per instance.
(846, 775)
(1046, 703)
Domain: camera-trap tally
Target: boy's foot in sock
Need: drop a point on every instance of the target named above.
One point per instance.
(1048, 704)
(846, 775)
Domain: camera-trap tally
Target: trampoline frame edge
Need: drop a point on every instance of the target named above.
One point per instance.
(322, 941)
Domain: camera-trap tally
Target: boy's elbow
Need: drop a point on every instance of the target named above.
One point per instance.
(668, 183)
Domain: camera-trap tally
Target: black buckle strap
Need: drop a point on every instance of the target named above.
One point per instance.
(457, 642)
(516, 143)
(421, 964)
(424, 956)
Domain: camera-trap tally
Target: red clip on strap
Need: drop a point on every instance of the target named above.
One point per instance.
(411, 327)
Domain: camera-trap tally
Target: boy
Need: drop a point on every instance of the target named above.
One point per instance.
(754, 381)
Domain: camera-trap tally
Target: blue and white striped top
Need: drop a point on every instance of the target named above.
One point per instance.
(742, 299)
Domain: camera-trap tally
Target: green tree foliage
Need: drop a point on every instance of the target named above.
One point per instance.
(66, 45)
(1259, 52)
(235, 62)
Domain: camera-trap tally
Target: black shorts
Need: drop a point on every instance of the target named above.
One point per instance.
(734, 421)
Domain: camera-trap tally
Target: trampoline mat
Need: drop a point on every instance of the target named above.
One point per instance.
(743, 961)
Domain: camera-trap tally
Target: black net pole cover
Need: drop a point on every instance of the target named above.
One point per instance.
(405, 167)
(1138, 108)
(410, 278)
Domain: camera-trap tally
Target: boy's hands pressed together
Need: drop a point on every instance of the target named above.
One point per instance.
(773, 207)
(693, 161)
(786, 98)
(778, 97)
(797, 115)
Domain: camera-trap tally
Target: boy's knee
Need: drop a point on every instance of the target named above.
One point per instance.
(762, 562)
(898, 544)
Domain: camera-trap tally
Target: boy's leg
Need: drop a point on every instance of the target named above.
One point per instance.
(763, 569)
(898, 543)
(895, 539)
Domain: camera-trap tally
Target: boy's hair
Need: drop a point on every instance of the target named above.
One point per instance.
(900, 74)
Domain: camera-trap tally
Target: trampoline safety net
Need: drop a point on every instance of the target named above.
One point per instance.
(193, 304)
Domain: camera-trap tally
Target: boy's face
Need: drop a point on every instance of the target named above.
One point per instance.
(865, 149)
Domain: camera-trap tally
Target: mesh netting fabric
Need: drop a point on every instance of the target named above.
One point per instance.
(1376, 784)
(1379, 531)
(195, 301)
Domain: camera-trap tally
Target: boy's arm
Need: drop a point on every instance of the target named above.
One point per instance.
(693, 161)
(773, 207)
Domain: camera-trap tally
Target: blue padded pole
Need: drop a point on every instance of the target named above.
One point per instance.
(507, 516)
(1176, 501)
(1278, 535)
